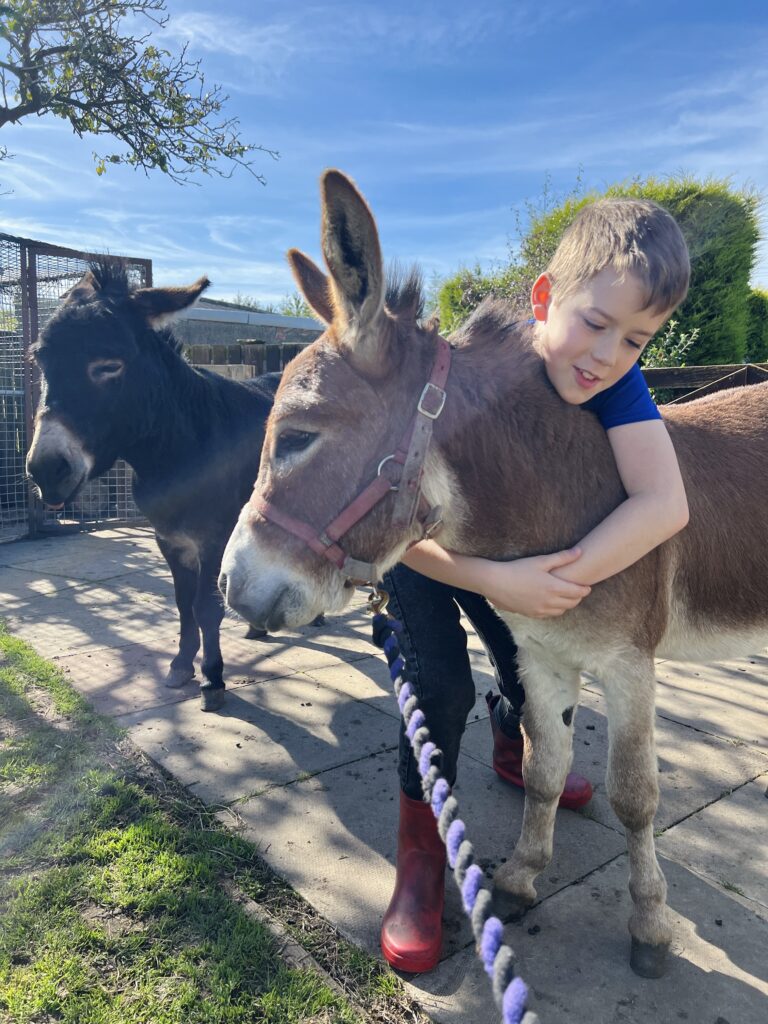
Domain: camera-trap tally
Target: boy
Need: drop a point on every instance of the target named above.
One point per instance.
(618, 274)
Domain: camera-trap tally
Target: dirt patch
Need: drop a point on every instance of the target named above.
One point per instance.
(111, 921)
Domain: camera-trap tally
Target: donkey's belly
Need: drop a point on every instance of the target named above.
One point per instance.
(566, 643)
(702, 639)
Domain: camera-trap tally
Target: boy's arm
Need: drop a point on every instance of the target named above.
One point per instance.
(655, 509)
(527, 585)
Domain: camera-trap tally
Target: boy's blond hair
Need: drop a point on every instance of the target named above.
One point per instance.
(634, 236)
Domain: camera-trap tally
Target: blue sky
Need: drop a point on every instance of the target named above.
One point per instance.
(449, 116)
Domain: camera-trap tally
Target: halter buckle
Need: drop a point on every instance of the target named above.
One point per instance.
(435, 396)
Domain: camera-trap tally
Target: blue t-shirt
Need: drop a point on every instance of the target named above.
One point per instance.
(626, 401)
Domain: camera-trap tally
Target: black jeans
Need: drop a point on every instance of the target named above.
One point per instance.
(435, 646)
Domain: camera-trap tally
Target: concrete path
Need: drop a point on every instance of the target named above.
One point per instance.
(306, 748)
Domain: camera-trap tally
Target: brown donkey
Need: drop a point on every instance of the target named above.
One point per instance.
(516, 471)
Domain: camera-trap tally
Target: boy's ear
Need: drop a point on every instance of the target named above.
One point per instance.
(541, 296)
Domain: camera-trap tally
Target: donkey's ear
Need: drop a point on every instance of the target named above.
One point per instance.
(160, 305)
(351, 249)
(86, 289)
(312, 283)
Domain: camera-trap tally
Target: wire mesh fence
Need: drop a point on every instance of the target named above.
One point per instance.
(33, 278)
(14, 502)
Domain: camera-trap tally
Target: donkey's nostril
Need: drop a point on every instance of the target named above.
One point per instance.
(60, 469)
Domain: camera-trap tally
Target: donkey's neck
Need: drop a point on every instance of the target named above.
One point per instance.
(168, 416)
(530, 473)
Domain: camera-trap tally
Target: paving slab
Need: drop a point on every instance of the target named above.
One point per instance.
(19, 551)
(92, 616)
(368, 679)
(127, 678)
(117, 680)
(334, 837)
(268, 734)
(305, 653)
(573, 952)
(727, 699)
(347, 637)
(726, 843)
(695, 768)
(19, 587)
(86, 556)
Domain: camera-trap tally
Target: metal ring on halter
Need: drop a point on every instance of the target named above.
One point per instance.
(392, 487)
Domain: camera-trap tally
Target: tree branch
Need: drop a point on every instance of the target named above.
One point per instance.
(72, 59)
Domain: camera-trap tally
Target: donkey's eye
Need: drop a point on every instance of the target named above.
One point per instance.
(103, 370)
(291, 442)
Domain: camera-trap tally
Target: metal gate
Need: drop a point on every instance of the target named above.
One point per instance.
(33, 277)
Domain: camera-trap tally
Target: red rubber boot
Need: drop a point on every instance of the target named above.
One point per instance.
(412, 929)
(508, 764)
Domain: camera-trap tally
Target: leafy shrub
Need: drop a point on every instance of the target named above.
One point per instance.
(757, 329)
(669, 349)
(462, 293)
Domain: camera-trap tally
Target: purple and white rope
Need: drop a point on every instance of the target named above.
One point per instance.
(509, 991)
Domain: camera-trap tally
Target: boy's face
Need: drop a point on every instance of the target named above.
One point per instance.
(590, 338)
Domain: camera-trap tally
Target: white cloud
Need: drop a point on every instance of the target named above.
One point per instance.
(263, 52)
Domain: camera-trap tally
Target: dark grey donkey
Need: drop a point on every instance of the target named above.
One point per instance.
(115, 385)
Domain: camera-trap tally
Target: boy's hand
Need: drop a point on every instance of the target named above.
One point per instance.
(527, 586)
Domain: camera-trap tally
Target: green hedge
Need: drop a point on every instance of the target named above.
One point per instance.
(757, 329)
(465, 290)
(720, 225)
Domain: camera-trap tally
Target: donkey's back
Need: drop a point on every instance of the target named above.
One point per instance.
(719, 565)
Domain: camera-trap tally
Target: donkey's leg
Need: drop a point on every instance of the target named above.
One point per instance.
(209, 611)
(633, 789)
(551, 695)
(182, 668)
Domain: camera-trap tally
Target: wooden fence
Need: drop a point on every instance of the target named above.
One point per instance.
(248, 358)
(697, 381)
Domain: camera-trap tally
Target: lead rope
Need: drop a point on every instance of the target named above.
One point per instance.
(509, 992)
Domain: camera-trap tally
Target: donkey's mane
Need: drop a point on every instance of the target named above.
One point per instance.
(495, 321)
(405, 292)
(115, 286)
(112, 277)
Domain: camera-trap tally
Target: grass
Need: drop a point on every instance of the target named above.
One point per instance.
(730, 887)
(113, 893)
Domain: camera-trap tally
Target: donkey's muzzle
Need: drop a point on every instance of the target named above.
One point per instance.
(57, 463)
(269, 612)
(55, 477)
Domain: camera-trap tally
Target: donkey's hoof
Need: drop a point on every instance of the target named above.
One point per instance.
(510, 906)
(212, 700)
(510, 903)
(178, 677)
(649, 961)
(254, 633)
(319, 620)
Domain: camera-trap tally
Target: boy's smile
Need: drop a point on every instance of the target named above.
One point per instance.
(590, 338)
